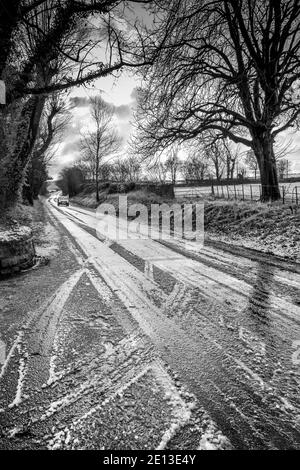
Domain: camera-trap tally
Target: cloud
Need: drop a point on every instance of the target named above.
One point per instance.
(123, 111)
(68, 151)
(70, 147)
(79, 102)
(134, 94)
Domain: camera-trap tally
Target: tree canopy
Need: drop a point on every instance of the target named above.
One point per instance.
(47, 46)
(230, 67)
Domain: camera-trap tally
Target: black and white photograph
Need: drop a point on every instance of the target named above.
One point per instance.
(149, 228)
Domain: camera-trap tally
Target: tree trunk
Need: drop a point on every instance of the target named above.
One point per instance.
(19, 157)
(216, 163)
(97, 184)
(8, 20)
(232, 169)
(97, 189)
(228, 168)
(264, 152)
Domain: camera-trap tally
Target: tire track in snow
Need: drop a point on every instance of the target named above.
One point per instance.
(32, 368)
(120, 276)
(187, 270)
(152, 322)
(210, 289)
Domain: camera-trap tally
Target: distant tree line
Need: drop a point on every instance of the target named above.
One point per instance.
(81, 175)
(218, 162)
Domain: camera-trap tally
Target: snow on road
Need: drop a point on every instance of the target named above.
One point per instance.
(200, 343)
(80, 372)
(226, 323)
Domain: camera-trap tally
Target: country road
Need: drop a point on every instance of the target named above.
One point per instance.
(141, 344)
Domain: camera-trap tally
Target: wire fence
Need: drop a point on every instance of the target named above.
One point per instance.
(290, 192)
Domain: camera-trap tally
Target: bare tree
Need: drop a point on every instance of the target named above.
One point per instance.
(283, 168)
(119, 170)
(102, 141)
(106, 171)
(231, 67)
(232, 155)
(126, 169)
(87, 164)
(48, 46)
(251, 162)
(85, 169)
(156, 171)
(63, 29)
(71, 180)
(241, 171)
(133, 169)
(173, 163)
(54, 121)
(215, 153)
(196, 166)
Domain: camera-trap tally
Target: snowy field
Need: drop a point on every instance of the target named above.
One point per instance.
(239, 191)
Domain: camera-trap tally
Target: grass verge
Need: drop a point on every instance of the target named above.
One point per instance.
(270, 228)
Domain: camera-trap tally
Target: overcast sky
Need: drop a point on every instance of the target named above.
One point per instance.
(118, 91)
(121, 93)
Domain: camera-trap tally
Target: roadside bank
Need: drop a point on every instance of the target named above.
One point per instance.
(267, 228)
